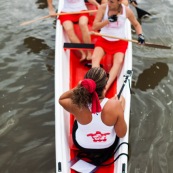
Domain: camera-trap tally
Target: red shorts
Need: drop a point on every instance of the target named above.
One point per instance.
(72, 17)
(111, 47)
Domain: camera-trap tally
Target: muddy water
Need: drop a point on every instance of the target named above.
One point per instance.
(27, 142)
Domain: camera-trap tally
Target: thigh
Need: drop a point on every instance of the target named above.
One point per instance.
(83, 20)
(68, 25)
(118, 58)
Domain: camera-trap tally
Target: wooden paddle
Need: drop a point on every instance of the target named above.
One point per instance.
(133, 41)
(56, 14)
(127, 75)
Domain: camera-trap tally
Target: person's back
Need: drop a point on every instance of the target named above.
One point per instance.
(95, 134)
(99, 121)
(109, 119)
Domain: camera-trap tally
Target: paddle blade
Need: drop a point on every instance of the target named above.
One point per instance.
(141, 13)
(157, 46)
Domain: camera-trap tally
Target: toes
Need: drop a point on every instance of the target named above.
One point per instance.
(83, 58)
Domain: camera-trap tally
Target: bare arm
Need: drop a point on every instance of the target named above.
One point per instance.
(104, 1)
(94, 2)
(133, 20)
(125, 2)
(51, 8)
(98, 23)
(114, 112)
(120, 125)
(66, 102)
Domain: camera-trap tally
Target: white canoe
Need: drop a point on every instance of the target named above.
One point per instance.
(68, 71)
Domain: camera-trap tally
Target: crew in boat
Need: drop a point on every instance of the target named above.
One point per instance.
(110, 20)
(68, 21)
(99, 121)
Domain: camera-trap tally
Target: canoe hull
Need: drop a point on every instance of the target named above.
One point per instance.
(68, 71)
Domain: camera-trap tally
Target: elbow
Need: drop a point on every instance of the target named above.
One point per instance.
(60, 101)
(121, 132)
(94, 28)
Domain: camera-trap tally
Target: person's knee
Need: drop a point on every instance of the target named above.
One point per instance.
(83, 23)
(95, 61)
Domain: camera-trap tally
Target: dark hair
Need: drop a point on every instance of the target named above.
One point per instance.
(81, 96)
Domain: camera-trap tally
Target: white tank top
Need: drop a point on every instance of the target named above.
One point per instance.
(115, 28)
(74, 5)
(96, 134)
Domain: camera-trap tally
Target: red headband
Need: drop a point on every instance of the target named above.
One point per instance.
(90, 85)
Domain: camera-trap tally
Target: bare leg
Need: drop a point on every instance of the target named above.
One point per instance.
(83, 24)
(69, 28)
(116, 68)
(97, 56)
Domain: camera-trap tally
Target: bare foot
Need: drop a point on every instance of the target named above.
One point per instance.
(83, 57)
(89, 56)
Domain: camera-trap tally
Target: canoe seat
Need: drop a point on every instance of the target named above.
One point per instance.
(77, 46)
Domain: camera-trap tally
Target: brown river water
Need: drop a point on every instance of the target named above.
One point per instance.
(27, 122)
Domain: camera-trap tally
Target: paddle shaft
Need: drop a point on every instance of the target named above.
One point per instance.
(128, 74)
(57, 14)
(115, 37)
(77, 12)
(133, 41)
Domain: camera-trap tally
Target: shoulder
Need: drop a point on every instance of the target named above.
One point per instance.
(125, 2)
(111, 112)
(100, 12)
(129, 12)
(113, 103)
(113, 108)
(103, 7)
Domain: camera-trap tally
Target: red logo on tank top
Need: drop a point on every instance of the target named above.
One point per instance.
(98, 136)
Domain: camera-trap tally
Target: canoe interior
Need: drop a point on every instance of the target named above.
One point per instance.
(77, 72)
